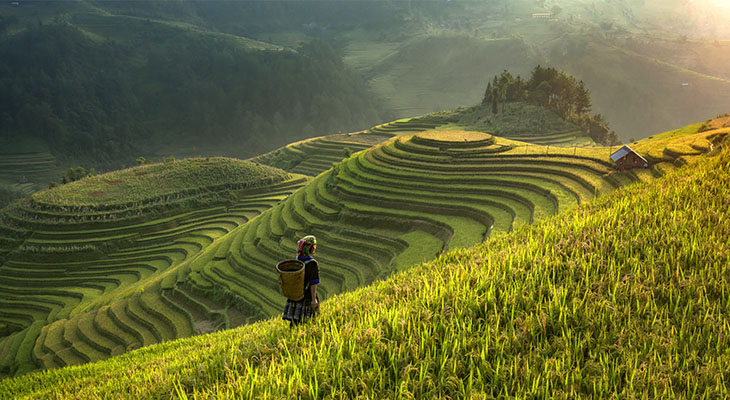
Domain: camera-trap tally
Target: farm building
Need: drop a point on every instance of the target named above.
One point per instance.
(627, 158)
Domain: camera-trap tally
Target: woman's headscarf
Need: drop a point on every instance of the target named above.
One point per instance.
(305, 246)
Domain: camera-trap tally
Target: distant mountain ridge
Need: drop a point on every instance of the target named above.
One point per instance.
(102, 89)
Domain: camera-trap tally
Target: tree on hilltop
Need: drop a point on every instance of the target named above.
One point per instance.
(74, 174)
(504, 88)
(553, 89)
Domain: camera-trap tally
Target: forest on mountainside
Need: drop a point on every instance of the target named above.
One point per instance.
(188, 78)
(104, 100)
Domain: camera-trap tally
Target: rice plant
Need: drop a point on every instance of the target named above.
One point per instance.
(625, 297)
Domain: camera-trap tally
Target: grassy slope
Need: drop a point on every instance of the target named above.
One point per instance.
(147, 182)
(148, 221)
(525, 122)
(636, 81)
(624, 297)
(640, 93)
(516, 120)
(26, 166)
(704, 56)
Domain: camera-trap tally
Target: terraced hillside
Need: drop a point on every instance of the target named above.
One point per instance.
(592, 303)
(405, 201)
(29, 169)
(23, 173)
(524, 122)
(91, 269)
(316, 155)
(111, 263)
(520, 121)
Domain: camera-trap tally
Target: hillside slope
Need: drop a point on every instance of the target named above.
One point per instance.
(90, 269)
(118, 261)
(118, 86)
(415, 196)
(455, 67)
(519, 121)
(640, 93)
(626, 296)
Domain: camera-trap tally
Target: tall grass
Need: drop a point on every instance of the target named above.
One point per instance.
(624, 298)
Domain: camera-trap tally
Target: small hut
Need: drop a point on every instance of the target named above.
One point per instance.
(626, 158)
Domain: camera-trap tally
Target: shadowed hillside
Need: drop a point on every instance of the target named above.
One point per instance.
(103, 89)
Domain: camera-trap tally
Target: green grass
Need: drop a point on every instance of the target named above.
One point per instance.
(422, 247)
(316, 155)
(165, 181)
(624, 297)
(434, 185)
(687, 142)
(510, 200)
(448, 188)
(526, 122)
(401, 202)
(119, 313)
(88, 332)
(69, 272)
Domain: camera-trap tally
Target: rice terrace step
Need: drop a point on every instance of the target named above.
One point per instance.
(87, 276)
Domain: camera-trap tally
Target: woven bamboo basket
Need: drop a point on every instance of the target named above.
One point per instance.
(291, 279)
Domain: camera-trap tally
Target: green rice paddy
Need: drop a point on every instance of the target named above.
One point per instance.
(624, 297)
(404, 201)
(84, 279)
(90, 271)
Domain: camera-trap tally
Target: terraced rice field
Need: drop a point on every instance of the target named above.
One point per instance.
(566, 138)
(407, 125)
(402, 202)
(455, 120)
(87, 280)
(84, 283)
(622, 298)
(28, 172)
(317, 155)
(314, 156)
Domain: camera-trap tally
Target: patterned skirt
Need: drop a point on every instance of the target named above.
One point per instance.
(298, 311)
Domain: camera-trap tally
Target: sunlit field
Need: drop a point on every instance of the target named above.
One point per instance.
(623, 297)
(514, 199)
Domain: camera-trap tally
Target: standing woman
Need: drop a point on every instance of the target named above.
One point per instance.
(298, 311)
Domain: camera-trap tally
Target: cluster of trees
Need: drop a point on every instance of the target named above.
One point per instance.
(75, 174)
(100, 102)
(556, 90)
